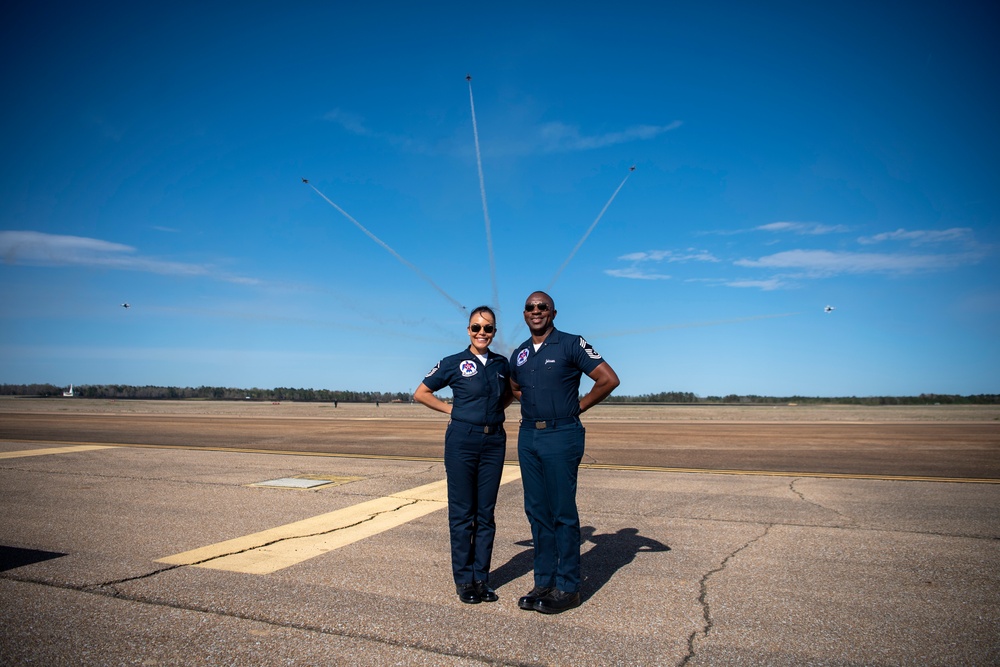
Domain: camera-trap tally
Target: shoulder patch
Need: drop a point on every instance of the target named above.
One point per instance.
(591, 352)
(522, 357)
(434, 370)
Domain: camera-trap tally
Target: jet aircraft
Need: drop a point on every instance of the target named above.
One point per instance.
(126, 306)
(828, 309)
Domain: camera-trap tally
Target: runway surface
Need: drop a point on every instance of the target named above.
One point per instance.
(183, 540)
(947, 449)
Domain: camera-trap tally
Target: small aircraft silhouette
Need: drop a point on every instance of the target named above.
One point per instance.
(126, 306)
(468, 77)
(828, 309)
(305, 180)
(632, 168)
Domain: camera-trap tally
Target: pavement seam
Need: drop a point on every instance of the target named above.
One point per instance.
(706, 608)
(303, 627)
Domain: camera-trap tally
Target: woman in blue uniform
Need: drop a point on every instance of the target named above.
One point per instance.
(474, 448)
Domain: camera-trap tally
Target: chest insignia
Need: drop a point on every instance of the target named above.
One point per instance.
(467, 368)
(522, 357)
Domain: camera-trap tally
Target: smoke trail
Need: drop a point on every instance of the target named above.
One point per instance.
(690, 325)
(587, 233)
(482, 193)
(395, 254)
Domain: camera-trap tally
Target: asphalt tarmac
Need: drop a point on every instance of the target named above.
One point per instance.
(173, 553)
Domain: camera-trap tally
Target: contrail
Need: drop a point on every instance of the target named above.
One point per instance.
(590, 229)
(690, 325)
(390, 250)
(482, 193)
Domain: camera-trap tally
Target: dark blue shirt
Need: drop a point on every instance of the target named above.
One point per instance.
(478, 391)
(550, 378)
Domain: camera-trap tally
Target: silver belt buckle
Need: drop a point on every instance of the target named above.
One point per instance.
(540, 424)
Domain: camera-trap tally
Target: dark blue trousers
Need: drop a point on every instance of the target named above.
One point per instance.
(550, 459)
(474, 463)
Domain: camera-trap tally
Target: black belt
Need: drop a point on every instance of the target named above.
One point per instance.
(549, 423)
(488, 429)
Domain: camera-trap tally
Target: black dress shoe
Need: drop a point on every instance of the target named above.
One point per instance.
(528, 601)
(485, 593)
(467, 593)
(557, 601)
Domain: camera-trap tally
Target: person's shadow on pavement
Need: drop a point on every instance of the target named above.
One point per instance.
(611, 552)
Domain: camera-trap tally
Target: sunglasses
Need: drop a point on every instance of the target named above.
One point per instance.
(530, 307)
(487, 328)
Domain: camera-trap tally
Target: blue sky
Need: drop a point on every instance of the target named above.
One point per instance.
(788, 156)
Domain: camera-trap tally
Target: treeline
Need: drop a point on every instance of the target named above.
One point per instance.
(124, 392)
(922, 399)
(119, 391)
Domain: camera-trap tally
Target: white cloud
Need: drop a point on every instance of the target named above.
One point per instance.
(691, 254)
(353, 123)
(559, 137)
(921, 236)
(812, 228)
(554, 137)
(40, 249)
(820, 263)
(636, 273)
(765, 285)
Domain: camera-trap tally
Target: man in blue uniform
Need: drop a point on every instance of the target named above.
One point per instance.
(545, 377)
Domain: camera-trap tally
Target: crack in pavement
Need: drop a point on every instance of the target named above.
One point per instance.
(418, 645)
(111, 585)
(706, 608)
(846, 521)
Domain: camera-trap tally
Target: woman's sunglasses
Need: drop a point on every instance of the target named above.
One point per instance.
(487, 328)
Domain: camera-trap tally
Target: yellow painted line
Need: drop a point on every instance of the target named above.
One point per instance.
(243, 450)
(277, 548)
(594, 466)
(51, 450)
(789, 473)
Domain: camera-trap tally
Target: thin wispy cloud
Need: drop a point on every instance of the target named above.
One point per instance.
(40, 249)
(922, 236)
(636, 273)
(553, 137)
(765, 285)
(557, 137)
(689, 255)
(351, 122)
(805, 228)
(640, 268)
(355, 124)
(823, 263)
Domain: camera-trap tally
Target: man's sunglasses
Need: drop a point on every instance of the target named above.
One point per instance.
(487, 328)
(530, 307)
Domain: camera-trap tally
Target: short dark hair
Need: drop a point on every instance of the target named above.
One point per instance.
(541, 293)
(483, 309)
